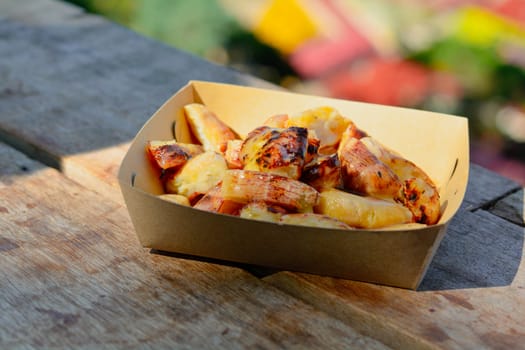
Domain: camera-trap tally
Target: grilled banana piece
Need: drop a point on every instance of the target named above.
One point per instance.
(362, 212)
(197, 176)
(247, 186)
(211, 132)
(277, 151)
(422, 199)
(214, 202)
(401, 166)
(327, 123)
(172, 154)
(324, 174)
(363, 172)
(313, 220)
(418, 192)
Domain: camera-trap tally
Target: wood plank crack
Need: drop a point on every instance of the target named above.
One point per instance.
(491, 203)
(33, 151)
(510, 207)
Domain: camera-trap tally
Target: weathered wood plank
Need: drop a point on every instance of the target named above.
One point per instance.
(472, 296)
(73, 275)
(480, 250)
(31, 11)
(85, 85)
(485, 186)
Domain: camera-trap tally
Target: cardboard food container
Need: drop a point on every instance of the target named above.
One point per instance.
(438, 143)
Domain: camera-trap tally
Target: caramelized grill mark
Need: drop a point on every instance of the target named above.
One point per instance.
(170, 154)
(324, 174)
(364, 173)
(281, 151)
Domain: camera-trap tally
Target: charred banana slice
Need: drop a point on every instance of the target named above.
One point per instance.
(324, 174)
(211, 132)
(277, 151)
(172, 154)
(418, 192)
(363, 172)
(247, 186)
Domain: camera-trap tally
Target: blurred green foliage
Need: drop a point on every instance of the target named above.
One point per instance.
(201, 27)
(196, 26)
(489, 82)
(480, 70)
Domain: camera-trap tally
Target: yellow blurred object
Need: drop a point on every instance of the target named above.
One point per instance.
(483, 28)
(285, 25)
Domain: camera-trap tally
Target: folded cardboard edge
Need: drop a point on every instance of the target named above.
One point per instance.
(266, 246)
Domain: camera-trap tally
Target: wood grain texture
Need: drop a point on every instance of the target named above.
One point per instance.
(74, 90)
(473, 295)
(73, 275)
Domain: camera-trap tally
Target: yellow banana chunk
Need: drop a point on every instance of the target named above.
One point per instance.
(200, 174)
(247, 186)
(362, 212)
(211, 132)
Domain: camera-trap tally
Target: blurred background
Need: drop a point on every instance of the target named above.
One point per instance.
(452, 56)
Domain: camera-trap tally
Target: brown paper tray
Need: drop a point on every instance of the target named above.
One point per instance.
(436, 142)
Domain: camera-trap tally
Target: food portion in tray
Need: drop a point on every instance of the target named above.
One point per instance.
(314, 168)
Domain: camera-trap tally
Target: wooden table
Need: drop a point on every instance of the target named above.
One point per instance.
(74, 90)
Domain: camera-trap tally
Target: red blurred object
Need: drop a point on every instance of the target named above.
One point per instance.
(323, 54)
(390, 82)
(511, 9)
(318, 56)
